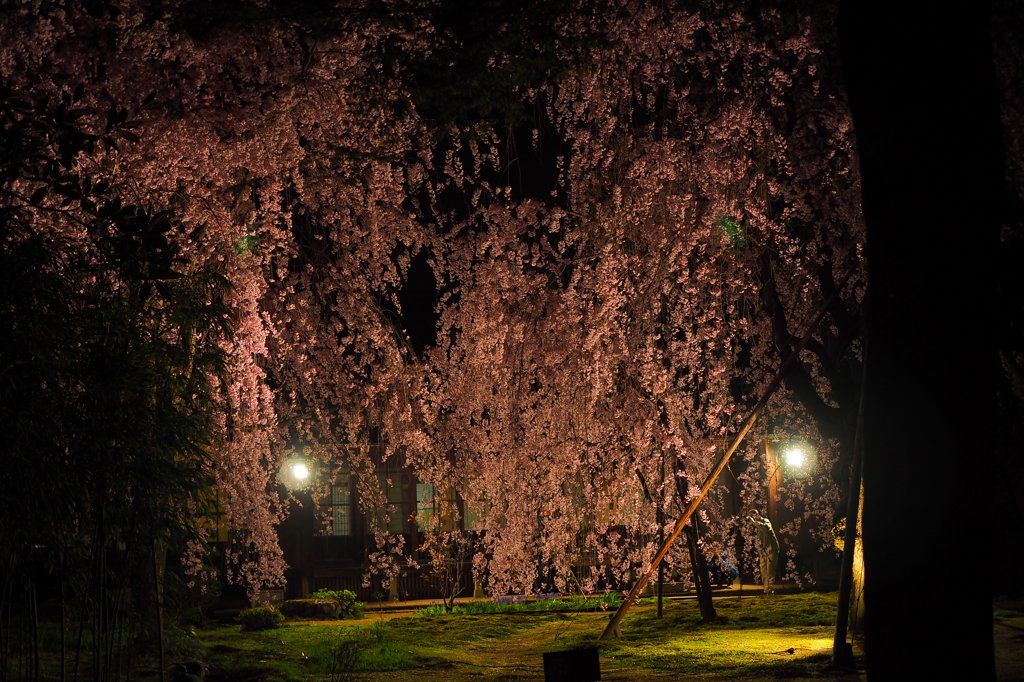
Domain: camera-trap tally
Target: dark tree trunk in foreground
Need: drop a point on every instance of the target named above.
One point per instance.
(924, 105)
(701, 576)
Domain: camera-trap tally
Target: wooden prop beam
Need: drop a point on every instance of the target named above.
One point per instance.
(634, 594)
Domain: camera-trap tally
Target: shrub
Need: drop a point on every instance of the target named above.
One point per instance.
(260, 618)
(313, 609)
(346, 601)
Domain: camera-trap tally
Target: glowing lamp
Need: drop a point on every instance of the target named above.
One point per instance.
(300, 471)
(296, 472)
(795, 457)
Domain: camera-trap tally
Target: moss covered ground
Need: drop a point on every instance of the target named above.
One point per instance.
(781, 637)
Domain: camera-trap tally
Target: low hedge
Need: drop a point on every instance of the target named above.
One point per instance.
(325, 605)
(260, 618)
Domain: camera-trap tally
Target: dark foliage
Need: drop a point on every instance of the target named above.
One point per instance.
(106, 360)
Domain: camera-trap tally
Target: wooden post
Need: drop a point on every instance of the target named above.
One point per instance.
(661, 567)
(638, 587)
(774, 474)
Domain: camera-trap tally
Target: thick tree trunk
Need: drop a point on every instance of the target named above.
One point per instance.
(924, 107)
(842, 652)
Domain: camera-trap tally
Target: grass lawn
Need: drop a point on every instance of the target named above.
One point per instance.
(782, 637)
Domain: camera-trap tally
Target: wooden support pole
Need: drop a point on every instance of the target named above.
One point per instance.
(661, 567)
(774, 474)
(634, 593)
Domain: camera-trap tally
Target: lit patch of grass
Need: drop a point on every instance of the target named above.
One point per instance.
(777, 635)
(728, 653)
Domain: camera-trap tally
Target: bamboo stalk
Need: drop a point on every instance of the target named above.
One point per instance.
(159, 611)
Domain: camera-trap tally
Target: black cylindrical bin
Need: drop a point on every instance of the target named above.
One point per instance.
(574, 665)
